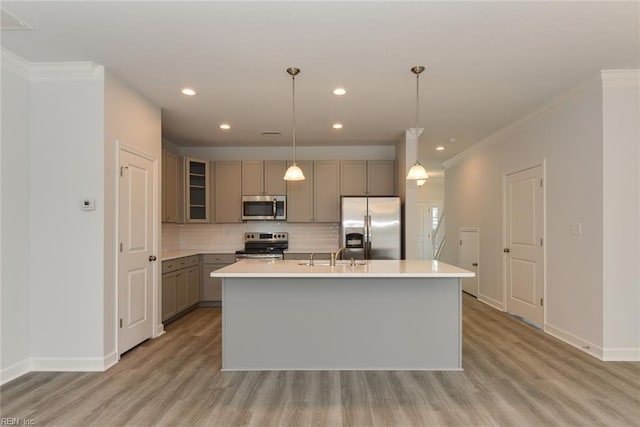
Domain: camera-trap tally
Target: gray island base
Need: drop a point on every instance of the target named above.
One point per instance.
(385, 315)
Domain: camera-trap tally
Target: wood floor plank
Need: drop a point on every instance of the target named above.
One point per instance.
(514, 375)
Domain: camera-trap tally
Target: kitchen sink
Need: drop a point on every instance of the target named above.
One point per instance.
(338, 262)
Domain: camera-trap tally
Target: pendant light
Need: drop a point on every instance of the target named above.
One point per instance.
(417, 172)
(294, 173)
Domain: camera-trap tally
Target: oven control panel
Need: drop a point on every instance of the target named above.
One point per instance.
(281, 236)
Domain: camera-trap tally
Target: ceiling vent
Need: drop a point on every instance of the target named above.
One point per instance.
(9, 21)
(270, 133)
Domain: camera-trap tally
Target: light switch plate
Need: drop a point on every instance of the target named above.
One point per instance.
(88, 205)
(576, 229)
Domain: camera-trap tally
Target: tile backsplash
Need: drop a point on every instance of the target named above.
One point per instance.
(228, 238)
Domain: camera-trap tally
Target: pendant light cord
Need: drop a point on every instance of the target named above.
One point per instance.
(293, 104)
(417, 109)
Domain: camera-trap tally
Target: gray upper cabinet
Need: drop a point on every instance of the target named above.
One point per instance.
(367, 178)
(228, 191)
(274, 183)
(353, 178)
(300, 195)
(172, 187)
(263, 178)
(326, 191)
(252, 178)
(197, 189)
(381, 178)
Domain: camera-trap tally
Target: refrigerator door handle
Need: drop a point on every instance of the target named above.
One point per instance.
(369, 236)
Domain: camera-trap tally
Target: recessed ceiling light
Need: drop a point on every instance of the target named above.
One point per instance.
(337, 126)
(439, 148)
(339, 91)
(188, 91)
(225, 126)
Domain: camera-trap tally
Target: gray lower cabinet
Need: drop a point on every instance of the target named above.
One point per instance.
(180, 285)
(212, 286)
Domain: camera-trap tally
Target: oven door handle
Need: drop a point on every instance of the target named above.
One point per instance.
(275, 208)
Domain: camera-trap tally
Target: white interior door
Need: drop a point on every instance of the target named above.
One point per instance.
(428, 216)
(468, 256)
(136, 256)
(524, 253)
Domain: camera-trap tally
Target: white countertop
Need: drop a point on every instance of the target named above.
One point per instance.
(372, 268)
(169, 255)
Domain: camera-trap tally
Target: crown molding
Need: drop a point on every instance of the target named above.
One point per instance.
(50, 70)
(620, 78)
(66, 71)
(14, 63)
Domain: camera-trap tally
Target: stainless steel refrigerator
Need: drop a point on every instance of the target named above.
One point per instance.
(370, 227)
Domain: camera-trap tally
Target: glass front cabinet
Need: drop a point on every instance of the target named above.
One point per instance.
(198, 197)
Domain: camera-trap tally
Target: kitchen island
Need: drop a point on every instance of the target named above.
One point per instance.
(379, 315)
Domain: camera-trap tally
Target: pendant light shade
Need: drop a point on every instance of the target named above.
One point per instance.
(417, 171)
(294, 173)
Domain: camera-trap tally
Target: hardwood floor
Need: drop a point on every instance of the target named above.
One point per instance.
(514, 375)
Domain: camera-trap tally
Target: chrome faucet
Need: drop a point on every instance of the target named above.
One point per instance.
(334, 256)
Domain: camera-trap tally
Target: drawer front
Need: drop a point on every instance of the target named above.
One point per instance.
(169, 266)
(218, 258)
(180, 263)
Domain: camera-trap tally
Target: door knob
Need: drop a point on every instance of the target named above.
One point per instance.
(475, 264)
(506, 250)
(152, 258)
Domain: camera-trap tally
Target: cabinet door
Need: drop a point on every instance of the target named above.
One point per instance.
(274, 183)
(168, 295)
(300, 195)
(172, 188)
(211, 286)
(197, 177)
(252, 178)
(228, 191)
(193, 286)
(353, 178)
(181, 290)
(326, 191)
(381, 178)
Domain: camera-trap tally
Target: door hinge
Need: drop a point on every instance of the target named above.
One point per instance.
(120, 323)
(541, 242)
(542, 302)
(541, 182)
(460, 242)
(120, 246)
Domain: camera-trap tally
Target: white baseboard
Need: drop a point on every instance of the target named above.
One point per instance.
(159, 331)
(498, 305)
(14, 371)
(575, 341)
(109, 360)
(629, 354)
(72, 364)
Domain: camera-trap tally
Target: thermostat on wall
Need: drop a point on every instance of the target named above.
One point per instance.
(88, 205)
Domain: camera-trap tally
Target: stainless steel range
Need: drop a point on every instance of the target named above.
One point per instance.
(264, 246)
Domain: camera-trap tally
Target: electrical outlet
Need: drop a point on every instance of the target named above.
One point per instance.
(576, 229)
(88, 205)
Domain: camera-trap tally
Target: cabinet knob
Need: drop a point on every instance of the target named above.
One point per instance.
(506, 250)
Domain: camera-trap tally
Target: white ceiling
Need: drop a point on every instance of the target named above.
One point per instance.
(488, 63)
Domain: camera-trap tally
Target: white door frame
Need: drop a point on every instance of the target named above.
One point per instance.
(158, 328)
(543, 164)
(477, 231)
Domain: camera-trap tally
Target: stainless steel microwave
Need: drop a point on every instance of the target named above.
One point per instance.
(264, 208)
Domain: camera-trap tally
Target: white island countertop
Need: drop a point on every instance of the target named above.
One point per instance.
(371, 268)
